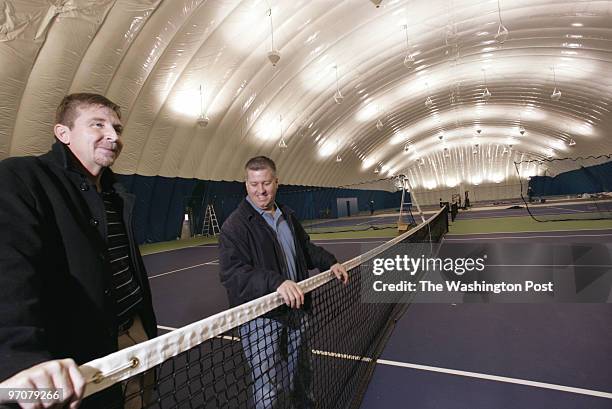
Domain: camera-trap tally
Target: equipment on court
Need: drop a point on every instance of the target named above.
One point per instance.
(406, 219)
(210, 226)
(567, 189)
(203, 365)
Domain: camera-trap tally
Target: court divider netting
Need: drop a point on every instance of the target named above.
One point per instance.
(262, 354)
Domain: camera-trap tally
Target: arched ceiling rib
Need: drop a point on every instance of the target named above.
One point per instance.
(152, 57)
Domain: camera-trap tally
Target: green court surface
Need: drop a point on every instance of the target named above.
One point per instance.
(468, 226)
(523, 224)
(152, 248)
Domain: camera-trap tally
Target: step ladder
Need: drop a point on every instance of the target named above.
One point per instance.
(211, 225)
(406, 220)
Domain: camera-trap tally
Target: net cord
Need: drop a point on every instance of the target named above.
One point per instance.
(106, 371)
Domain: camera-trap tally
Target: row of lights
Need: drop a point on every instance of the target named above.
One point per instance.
(274, 58)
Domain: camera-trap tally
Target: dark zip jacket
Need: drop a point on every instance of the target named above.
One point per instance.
(251, 258)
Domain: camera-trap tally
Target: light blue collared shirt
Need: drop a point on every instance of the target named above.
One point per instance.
(279, 224)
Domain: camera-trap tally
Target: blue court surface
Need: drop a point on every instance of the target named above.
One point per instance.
(504, 355)
(186, 287)
(552, 208)
(459, 355)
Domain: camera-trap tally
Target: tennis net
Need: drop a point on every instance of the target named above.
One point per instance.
(262, 354)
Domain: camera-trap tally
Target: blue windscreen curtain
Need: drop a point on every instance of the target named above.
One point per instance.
(589, 179)
(162, 202)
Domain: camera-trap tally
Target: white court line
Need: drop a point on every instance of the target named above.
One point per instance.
(362, 223)
(448, 371)
(369, 221)
(213, 262)
(181, 248)
(526, 237)
(528, 231)
(516, 381)
(566, 209)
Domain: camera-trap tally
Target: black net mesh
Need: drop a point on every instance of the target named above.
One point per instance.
(321, 356)
(567, 189)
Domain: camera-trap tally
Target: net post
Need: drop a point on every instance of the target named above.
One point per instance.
(413, 198)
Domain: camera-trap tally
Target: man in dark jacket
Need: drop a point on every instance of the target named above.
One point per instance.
(263, 249)
(72, 280)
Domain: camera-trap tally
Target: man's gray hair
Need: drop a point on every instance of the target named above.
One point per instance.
(260, 163)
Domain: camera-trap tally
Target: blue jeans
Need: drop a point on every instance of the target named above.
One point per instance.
(280, 362)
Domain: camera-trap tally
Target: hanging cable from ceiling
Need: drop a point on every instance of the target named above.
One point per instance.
(502, 31)
(408, 58)
(556, 94)
(273, 55)
(282, 144)
(485, 94)
(338, 97)
(203, 119)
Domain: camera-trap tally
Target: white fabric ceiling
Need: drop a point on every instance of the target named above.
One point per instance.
(152, 56)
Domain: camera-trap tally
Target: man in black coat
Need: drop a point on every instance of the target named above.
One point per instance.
(72, 280)
(264, 249)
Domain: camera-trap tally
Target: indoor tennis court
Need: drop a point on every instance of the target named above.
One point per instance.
(473, 353)
(453, 156)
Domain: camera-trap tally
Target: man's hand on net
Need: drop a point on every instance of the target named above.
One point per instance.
(59, 379)
(291, 293)
(340, 272)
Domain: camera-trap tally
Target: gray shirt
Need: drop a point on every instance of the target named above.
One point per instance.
(279, 224)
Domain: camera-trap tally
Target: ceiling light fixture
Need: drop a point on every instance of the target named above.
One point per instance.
(379, 124)
(522, 130)
(556, 94)
(376, 3)
(406, 148)
(485, 94)
(428, 100)
(571, 142)
(203, 118)
(338, 97)
(338, 157)
(408, 58)
(282, 144)
(446, 153)
(502, 31)
(274, 54)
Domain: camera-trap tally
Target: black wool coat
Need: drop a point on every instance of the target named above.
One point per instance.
(55, 281)
(251, 258)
